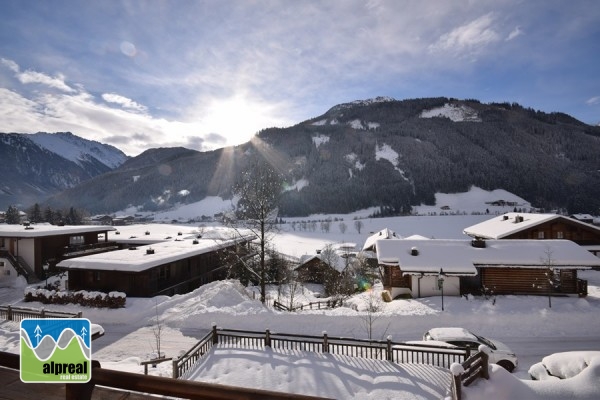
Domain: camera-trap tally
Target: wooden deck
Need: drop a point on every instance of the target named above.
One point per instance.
(14, 389)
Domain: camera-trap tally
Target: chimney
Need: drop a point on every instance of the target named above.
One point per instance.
(414, 251)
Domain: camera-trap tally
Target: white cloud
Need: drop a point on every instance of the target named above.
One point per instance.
(57, 82)
(13, 66)
(123, 102)
(469, 37)
(593, 101)
(514, 33)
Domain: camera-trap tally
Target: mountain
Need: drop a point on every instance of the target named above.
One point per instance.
(35, 166)
(380, 152)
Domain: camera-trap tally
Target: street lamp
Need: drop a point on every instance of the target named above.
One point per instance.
(46, 266)
(440, 282)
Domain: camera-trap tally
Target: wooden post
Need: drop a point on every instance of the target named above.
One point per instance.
(215, 335)
(82, 391)
(485, 370)
(43, 313)
(175, 368)
(388, 354)
(325, 343)
(268, 338)
(9, 313)
(457, 386)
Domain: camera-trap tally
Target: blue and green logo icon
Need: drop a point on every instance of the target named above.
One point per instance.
(56, 350)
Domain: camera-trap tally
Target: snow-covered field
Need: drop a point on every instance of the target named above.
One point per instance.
(525, 323)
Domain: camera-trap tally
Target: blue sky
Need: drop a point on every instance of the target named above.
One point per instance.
(207, 74)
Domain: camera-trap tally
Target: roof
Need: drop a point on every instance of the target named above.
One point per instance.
(155, 233)
(460, 257)
(138, 259)
(382, 234)
(510, 223)
(44, 230)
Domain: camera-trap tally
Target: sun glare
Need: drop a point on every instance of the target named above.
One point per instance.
(238, 118)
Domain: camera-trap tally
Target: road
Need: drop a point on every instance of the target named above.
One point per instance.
(531, 350)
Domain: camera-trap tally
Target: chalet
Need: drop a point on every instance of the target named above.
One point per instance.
(536, 226)
(25, 249)
(149, 266)
(374, 237)
(415, 267)
(333, 260)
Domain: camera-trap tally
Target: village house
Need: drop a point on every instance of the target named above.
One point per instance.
(30, 248)
(157, 260)
(421, 268)
(538, 226)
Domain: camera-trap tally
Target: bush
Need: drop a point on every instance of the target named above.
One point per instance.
(82, 297)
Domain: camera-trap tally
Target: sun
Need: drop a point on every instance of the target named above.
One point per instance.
(239, 118)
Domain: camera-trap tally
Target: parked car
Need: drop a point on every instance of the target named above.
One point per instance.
(500, 354)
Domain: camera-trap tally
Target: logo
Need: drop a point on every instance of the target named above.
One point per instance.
(56, 350)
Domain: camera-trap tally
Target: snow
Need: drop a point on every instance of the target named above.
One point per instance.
(563, 338)
(386, 152)
(74, 148)
(320, 139)
(298, 185)
(451, 111)
(475, 200)
(129, 339)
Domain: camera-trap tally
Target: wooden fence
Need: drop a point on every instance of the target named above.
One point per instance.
(10, 313)
(474, 367)
(316, 305)
(374, 349)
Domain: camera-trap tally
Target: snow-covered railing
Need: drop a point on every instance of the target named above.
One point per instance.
(315, 305)
(397, 352)
(10, 313)
(476, 366)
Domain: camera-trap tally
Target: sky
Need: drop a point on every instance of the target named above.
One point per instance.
(209, 74)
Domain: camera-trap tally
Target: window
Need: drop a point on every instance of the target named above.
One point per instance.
(559, 235)
(96, 276)
(79, 239)
(540, 234)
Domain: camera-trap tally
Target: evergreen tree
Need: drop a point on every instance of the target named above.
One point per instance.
(35, 214)
(12, 215)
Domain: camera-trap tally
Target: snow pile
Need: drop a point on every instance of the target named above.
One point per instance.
(563, 365)
(222, 297)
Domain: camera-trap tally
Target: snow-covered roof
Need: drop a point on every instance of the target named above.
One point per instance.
(510, 223)
(43, 230)
(460, 257)
(382, 234)
(137, 259)
(156, 233)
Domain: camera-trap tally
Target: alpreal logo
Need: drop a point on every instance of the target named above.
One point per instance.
(56, 350)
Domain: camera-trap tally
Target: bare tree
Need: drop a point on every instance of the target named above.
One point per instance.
(552, 275)
(343, 227)
(157, 329)
(358, 225)
(372, 312)
(259, 190)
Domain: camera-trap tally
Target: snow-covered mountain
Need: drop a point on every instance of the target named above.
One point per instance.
(384, 153)
(35, 166)
(79, 150)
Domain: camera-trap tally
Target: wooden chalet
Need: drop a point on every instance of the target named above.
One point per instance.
(24, 249)
(147, 267)
(414, 267)
(536, 226)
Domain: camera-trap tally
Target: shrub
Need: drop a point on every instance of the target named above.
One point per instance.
(82, 297)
